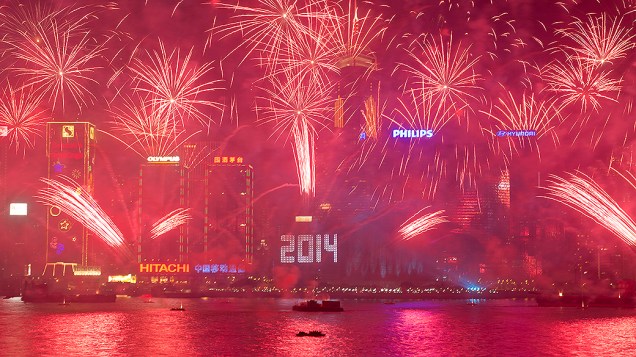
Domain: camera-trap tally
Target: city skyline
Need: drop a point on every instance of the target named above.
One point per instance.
(371, 115)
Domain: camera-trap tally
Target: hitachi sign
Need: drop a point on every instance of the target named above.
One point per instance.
(163, 268)
(404, 133)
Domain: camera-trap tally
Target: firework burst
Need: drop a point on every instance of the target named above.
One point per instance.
(267, 27)
(56, 63)
(442, 71)
(353, 35)
(575, 81)
(20, 112)
(524, 115)
(298, 108)
(20, 20)
(173, 86)
(308, 53)
(600, 39)
(147, 130)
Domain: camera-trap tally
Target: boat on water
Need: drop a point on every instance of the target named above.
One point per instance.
(43, 292)
(310, 334)
(315, 306)
(178, 308)
(67, 283)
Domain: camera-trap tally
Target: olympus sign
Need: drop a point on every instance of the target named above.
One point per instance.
(163, 159)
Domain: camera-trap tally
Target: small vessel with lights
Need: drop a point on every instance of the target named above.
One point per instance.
(315, 306)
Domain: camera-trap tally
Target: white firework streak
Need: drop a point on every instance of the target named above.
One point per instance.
(413, 227)
(75, 201)
(585, 196)
(170, 221)
(304, 149)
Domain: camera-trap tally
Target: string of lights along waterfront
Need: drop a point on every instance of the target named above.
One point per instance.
(320, 149)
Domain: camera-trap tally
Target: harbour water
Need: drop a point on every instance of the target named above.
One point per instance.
(268, 327)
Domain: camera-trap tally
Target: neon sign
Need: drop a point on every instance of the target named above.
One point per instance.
(163, 159)
(18, 209)
(163, 268)
(308, 248)
(68, 131)
(228, 160)
(122, 279)
(416, 133)
(503, 133)
(218, 268)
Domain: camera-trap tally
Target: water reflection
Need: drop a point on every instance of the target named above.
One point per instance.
(268, 327)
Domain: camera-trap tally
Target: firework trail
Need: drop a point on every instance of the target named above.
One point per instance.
(585, 196)
(267, 27)
(73, 200)
(372, 115)
(20, 112)
(575, 81)
(599, 40)
(55, 63)
(304, 155)
(421, 111)
(309, 53)
(297, 108)
(421, 223)
(19, 20)
(192, 155)
(147, 130)
(170, 221)
(353, 35)
(527, 119)
(173, 87)
(626, 175)
(441, 71)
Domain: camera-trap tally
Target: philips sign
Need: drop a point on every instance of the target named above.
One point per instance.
(409, 133)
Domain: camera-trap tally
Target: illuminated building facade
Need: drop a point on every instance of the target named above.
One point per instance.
(70, 152)
(196, 158)
(229, 218)
(161, 191)
(217, 192)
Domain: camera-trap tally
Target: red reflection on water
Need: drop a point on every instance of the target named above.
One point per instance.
(78, 334)
(411, 329)
(76, 330)
(591, 336)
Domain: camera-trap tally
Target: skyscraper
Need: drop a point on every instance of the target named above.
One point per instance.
(70, 152)
(160, 193)
(229, 218)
